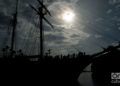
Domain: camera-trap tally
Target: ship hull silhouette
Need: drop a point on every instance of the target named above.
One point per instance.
(52, 71)
(64, 70)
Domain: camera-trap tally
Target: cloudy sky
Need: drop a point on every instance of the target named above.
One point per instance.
(96, 24)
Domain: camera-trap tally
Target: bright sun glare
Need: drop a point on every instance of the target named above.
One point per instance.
(68, 16)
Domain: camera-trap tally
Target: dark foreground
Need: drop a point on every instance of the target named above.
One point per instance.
(64, 70)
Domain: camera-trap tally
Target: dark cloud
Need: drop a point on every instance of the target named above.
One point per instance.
(73, 36)
(54, 38)
(4, 20)
(96, 24)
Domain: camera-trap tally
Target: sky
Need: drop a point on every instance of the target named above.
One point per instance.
(96, 24)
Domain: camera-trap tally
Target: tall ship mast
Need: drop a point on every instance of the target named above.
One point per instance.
(41, 14)
(14, 28)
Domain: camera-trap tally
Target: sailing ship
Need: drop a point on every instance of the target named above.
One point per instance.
(68, 67)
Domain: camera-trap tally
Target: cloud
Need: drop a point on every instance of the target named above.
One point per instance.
(109, 11)
(26, 29)
(4, 20)
(98, 36)
(55, 38)
(68, 31)
(118, 28)
(114, 1)
(91, 29)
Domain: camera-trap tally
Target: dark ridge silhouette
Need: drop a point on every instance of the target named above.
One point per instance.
(65, 70)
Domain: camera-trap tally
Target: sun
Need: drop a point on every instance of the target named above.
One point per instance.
(68, 16)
